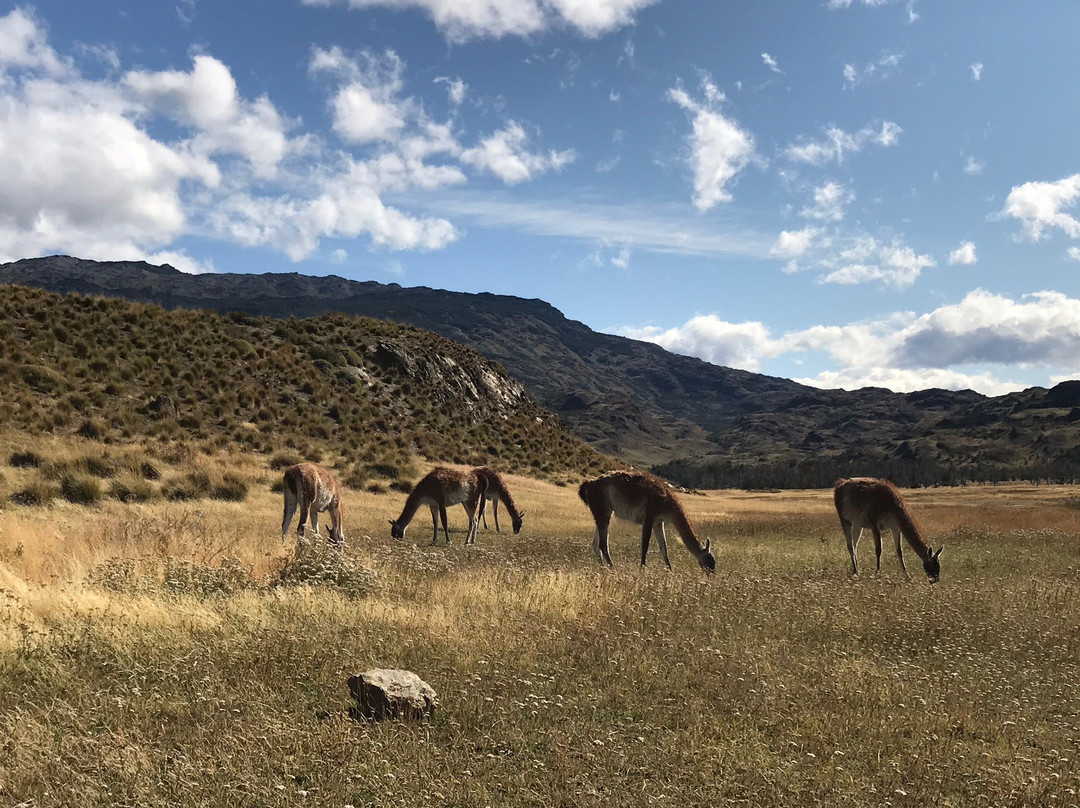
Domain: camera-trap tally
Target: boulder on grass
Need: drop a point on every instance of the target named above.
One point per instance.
(386, 693)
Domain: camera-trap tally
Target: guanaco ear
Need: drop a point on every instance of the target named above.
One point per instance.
(708, 544)
(942, 547)
(391, 523)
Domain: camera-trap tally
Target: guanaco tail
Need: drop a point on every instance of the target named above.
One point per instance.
(645, 500)
(440, 488)
(496, 492)
(315, 490)
(877, 504)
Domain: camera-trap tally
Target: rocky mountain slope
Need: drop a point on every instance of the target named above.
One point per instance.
(700, 424)
(370, 393)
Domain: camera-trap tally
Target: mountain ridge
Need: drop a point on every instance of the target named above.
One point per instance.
(696, 422)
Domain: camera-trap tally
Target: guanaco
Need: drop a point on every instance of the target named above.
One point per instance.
(645, 500)
(877, 504)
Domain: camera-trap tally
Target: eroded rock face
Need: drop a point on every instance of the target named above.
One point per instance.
(383, 693)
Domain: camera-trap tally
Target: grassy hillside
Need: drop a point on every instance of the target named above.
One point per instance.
(144, 386)
(156, 655)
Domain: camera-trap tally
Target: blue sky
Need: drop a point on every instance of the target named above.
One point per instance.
(842, 192)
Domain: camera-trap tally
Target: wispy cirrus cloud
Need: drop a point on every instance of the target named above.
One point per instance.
(837, 144)
(835, 5)
(657, 228)
(881, 68)
(974, 167)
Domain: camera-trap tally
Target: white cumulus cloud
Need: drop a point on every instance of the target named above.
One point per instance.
(740, 345)
(470, 19)
(719, 148)
(830, 203)
(975, 343)
(794, 243)
(964, 254)
(206, 99)
(1041, 206)
(122, 167)
(24, 44)
(894, 264)
(505, 154)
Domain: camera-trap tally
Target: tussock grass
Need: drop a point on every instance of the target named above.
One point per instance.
(780, 680)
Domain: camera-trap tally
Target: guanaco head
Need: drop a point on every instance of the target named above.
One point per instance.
(396, 530)
(706, 559)
(932, 565)
(517, 520)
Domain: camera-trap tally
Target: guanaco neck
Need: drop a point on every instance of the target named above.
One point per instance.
(910, 531)
(497, 487)
(412, 505)
(686, 531)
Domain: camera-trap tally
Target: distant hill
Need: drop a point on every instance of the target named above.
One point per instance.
(370, 393)
(695, 422)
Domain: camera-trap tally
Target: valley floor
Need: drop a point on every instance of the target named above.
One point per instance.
(168, 654)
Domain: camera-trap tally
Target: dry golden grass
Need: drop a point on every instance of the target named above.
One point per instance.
(780, 680)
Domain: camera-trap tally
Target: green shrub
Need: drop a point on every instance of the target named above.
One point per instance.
(43, 379)
(91, 429)
(149, 471)
(192, 485)
(101, 466)
(354, 479)
(25, 460)
(316, 564)
(283, 460)
(81, 489)
(121, 575)
(184, 577)
(133, 489)
(232, 488)
(38, 492)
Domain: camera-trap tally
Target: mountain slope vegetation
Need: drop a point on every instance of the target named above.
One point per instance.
(694, 422)
(374, 394)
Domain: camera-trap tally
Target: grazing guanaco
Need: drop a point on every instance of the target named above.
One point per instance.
(440, 488)
(315, 490)
(877, 504)
(496, 491)
(645, 500)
